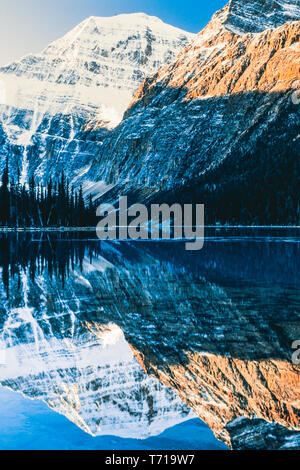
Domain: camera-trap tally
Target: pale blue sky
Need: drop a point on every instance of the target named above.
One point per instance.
(29, 25)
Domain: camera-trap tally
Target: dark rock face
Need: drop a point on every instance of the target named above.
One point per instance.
(257, 433)
(223, 99)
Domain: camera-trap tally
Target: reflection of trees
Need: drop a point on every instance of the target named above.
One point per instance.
(58, 254)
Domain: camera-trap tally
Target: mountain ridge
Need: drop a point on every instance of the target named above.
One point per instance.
(242, 16)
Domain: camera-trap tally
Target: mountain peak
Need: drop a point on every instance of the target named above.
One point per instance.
(115, 32)
(126, 16)
(140, 20)
(254, 16)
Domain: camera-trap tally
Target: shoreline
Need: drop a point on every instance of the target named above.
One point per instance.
(46, 229)
(91, 229)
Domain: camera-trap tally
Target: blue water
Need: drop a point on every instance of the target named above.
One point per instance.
(30, 425)
(257, 270)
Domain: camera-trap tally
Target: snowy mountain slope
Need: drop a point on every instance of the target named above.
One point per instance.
(90, 74)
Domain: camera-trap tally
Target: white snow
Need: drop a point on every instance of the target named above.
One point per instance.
(87, 377)
(92, 73)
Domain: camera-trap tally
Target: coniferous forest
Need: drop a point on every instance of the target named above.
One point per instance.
(258, 189)
(34, 205)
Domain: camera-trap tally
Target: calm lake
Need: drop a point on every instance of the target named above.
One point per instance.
(144, 345)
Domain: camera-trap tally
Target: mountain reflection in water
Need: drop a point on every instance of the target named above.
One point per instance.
(131, 338)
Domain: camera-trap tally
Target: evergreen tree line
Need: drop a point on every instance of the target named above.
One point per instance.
(259, 189)
(34, 205)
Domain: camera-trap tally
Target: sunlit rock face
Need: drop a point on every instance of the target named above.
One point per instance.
(86, 78)
(227, 96)
(213, 327)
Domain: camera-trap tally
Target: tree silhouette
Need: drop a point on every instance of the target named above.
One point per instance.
(34, 205)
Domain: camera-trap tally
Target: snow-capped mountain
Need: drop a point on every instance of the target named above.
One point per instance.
(87, 76)
(225, 100)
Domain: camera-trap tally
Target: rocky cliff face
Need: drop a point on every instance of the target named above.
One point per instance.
(227, 96)
(87, 76)
(254, 16)
(223, 344)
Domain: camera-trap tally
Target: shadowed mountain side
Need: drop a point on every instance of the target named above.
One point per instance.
(186, 144)
(238, 154)
(259, 434)
(51, 146)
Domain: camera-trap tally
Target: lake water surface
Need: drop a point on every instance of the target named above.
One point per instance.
(143, 345)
